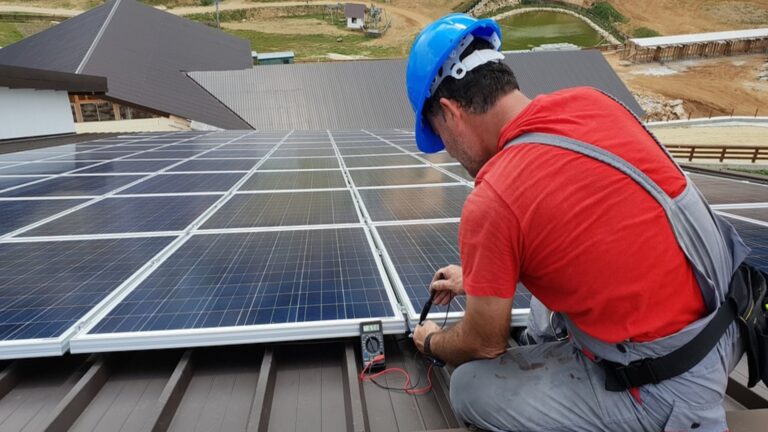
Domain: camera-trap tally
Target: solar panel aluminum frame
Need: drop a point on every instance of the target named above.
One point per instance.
(84, 342)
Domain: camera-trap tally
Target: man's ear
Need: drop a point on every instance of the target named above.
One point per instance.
(451, 109)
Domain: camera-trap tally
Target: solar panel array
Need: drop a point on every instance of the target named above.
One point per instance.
(208, 238)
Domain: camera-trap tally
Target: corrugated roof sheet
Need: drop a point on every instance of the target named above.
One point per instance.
(701, 37)
(144, 53)
(371, 94)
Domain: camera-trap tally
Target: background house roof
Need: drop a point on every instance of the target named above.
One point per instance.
(144, 53)
(371, 94)
(38, 79)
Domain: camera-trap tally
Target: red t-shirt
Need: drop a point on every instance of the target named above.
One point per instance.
(584, 238)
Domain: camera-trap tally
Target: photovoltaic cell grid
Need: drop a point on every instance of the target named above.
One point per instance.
(418, 251)
(72, 186)
(18, 214)
(285, 209)
(399, 176)
(726, 191)
(415, 203)
(248, 279)
(125, 215)
(756, 237)
(181, 183)
(45, 287)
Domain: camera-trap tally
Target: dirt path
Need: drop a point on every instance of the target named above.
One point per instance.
(415, 19)
(39, 10)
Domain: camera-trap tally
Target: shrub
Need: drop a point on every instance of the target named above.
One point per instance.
(643, 32)
(606, 12)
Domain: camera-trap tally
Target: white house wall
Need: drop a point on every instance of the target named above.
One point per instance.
(28, 113)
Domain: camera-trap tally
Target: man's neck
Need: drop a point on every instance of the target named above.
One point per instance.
(490, 124)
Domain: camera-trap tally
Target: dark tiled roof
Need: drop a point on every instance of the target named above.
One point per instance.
(38, 79)
(144, 53)
(371, 94)
(354, 10)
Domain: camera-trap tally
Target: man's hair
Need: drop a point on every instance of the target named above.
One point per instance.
(480, 88)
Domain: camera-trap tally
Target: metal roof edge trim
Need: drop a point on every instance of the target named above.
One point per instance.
(236, 335)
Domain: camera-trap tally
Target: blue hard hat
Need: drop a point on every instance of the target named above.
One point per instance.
(430, 51)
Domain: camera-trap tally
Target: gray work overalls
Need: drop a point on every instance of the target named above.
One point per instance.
(554, 386)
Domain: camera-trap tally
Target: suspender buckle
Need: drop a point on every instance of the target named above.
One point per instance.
(636, 374)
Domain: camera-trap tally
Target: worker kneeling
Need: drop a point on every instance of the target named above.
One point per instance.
(575, 199)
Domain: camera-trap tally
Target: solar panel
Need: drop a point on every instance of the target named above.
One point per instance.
(760, 214)
(718, 190)
(128, 166)
(18, 214)
(234, 288)
(9, 182)
(283, 209)
(133, 214)
(459, 170)
(439, 158)
(28, 156)
(73, 186)
(47, 287)
(216, 165)
(398, 176)
(377, 161)
(182, 183)
(304, 152)
(295, 180)
(98, 155)
(756, 237)
(415, 203)
(165, 154)
(351, 151)
(300, 163)
(44, 168)
(234, 154)
(417, 252)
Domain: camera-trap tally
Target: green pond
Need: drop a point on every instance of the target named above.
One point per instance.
(531, 29)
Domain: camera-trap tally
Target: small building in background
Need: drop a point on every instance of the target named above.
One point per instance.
(273, 58)
(36, 102)
(355, 13)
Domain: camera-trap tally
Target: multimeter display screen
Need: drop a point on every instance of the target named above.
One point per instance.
(371, 328)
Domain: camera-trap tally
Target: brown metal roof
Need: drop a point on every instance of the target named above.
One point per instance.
(372, 95)
(284, 387)
(38, 79)
(144, 53)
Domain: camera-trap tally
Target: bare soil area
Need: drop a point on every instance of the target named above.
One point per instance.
(670, 17)
(717, 86)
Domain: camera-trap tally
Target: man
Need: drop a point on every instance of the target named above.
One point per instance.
(576, 200)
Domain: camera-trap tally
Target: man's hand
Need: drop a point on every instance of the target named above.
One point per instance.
(448, 284)
(421, 333)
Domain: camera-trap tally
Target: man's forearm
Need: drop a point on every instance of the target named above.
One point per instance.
(455, 347)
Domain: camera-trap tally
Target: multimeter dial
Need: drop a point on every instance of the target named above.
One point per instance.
(372, 344)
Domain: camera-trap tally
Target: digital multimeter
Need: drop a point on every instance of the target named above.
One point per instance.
(372, 343)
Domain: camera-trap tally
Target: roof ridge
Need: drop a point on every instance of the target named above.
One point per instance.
(97, 39)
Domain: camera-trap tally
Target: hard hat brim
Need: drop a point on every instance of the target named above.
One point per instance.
(426, 139)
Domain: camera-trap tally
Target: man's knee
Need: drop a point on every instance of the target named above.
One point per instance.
(466, 390)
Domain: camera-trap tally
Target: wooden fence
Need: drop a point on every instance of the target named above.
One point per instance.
(691, 152)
